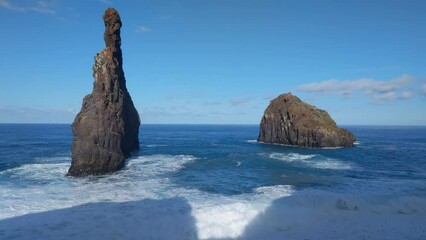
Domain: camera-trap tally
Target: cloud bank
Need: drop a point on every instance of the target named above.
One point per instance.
(41, 6)
(239, 101)
(143, 29)
(14, 114)
(377, 90)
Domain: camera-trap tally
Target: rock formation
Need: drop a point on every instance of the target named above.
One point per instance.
(290, 121)
(107, 127)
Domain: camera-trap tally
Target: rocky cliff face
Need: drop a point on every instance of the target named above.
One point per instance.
(107, 127)
(290, 121)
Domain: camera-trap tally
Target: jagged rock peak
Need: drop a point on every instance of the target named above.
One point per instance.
(112, 29)
(290, 121)
(106, 129)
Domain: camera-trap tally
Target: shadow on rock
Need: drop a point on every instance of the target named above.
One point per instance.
(146, 219)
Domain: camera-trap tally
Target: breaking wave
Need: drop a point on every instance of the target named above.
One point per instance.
(312, 160)
(144, 177)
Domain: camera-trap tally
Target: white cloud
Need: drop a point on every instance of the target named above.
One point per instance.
(239, 101)
(270, 97)
(166, 17)
(376, 89)
(106, 1)
(14, 114)
(143, 29)
(7, 5)
(214, 103)
(41, 6)
(405, 95)
(42, 3)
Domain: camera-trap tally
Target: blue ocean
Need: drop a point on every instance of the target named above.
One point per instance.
(216, 182)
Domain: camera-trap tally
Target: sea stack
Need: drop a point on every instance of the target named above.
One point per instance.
(107, 127)
(290, 121)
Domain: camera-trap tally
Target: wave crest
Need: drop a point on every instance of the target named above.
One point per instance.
(312, 160)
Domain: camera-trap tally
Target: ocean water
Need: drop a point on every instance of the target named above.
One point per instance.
(216, 182)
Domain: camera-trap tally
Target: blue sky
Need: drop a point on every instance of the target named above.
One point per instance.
(219, 61)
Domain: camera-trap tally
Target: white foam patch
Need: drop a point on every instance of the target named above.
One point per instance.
(46, 187)
(332, 164)
(224, 220)
(272, 192)
(227, 217)
(252, 141)
(290, 157)
(153, 207)
(156, 145)
(159, 163)
(216, 216)
(38, 171)
(52, 159)
(312, 160)
(332, 148)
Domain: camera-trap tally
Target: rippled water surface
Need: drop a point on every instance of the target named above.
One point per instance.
(232, 185)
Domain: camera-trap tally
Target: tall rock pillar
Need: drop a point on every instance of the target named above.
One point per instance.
(107, 127)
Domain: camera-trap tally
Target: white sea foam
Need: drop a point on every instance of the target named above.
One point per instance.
(216, 216)
(224, 220)
(156, 145)
(332, 148)
(272, 192)
(151, 206)
(252, 141)
(38, 171)
(293, 146)
(159, 163)
(52, 159)
(312, 160)
(227, 217)
(49, 188)
(329, 163)
(290, 157)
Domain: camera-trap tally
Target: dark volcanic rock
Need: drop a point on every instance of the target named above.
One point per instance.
(290, 121)
(106, 129)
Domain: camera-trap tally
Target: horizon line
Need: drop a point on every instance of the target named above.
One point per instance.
(339, 125)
